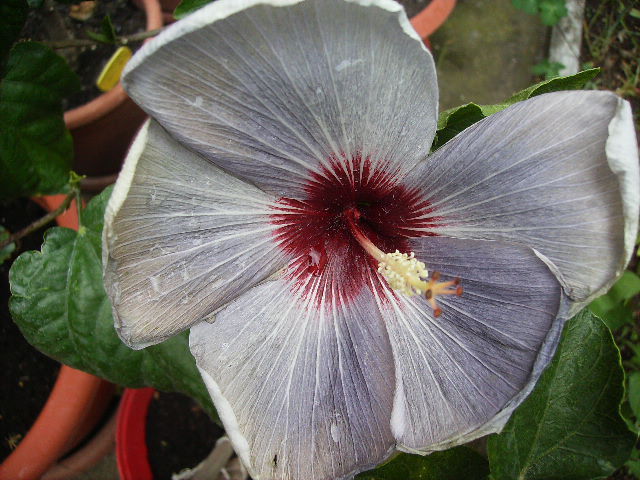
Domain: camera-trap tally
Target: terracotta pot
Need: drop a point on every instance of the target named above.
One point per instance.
(76, 404)
(131, 441)
(103, 128)
(100, 445)
(425, 23)
(432, 17)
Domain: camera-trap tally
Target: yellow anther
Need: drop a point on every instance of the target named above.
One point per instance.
(404, 272)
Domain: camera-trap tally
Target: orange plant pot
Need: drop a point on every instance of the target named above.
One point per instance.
(432, 17)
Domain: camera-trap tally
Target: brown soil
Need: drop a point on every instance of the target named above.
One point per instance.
(179, 434)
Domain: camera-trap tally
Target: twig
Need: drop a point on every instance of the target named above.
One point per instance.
(48, 218)
(86, 42)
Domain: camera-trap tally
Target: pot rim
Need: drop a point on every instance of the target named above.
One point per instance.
(131, 434)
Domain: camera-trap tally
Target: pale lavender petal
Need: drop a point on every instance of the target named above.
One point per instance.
(303, 382)
(557, 173)
(273, 90)
(460, 375)
(181, 238)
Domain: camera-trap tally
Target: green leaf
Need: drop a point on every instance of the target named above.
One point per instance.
(59, 303)
(107, 32)
(551, 11)
(571, 82)
(453, 464)
(612, 308)
(6, 251)
(35, 146)
(527, 6)
(189, 6)
(453, 121)
(13, 14)
(570, 427)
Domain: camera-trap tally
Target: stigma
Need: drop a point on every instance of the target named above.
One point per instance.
(403, 271)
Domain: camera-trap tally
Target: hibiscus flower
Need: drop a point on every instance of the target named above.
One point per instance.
(348, 294)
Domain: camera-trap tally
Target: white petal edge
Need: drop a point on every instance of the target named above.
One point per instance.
(622, 154)
(228, 419)
(222, 9)
(121, 188)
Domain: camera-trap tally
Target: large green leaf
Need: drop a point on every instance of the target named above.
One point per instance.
(454, 464)
(59, 303)
(13, 14)
(35, 147)
(570, 427)
(453, 121)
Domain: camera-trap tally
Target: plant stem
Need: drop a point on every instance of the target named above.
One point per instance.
(79, 207)
(41, 222)
(87, 42)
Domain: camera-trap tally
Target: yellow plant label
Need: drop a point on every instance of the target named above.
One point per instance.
(110, 75)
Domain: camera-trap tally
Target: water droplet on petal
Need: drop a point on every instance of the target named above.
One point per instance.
(155, 284)
(335, 432)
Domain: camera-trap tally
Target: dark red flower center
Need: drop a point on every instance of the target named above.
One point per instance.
(315, 230)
